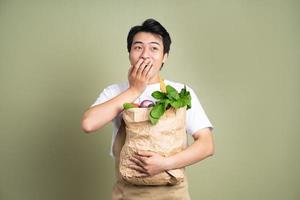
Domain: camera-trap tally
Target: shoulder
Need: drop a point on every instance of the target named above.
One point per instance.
(110, 91)
(117, 87)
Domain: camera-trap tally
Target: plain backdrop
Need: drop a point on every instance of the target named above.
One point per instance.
(241, 57)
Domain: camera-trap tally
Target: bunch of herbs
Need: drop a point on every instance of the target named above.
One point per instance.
(170, 98)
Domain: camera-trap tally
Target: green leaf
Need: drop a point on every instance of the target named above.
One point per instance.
(172, 92)
(186, 99)
(177, 104)
(158, 95)
(167, 103)
(127, 106)
(189, 101)
(153, 120)
(183, 92)
(157, 111)
(189, 106)
(170, 97)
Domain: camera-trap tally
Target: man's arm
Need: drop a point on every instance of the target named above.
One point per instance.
(150, 163)
(99, 115)
(201, 148)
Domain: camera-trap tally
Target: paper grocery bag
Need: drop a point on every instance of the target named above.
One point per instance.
(167, 137)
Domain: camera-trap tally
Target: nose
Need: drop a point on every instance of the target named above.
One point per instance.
(145, 53)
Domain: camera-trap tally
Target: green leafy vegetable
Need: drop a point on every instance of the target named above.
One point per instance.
(156, 112)
(172, 92)
(128, 105)
(158, 95)
(169, 99)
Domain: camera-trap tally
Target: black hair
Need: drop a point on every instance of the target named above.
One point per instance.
(150, 26)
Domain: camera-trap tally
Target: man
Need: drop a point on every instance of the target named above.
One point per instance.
(148, 46)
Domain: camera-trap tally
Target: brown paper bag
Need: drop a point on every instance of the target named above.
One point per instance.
(167, 137)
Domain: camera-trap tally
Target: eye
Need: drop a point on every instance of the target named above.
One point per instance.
(137, 47)
(154, 48)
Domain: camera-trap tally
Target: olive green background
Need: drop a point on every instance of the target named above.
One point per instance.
(242, 58)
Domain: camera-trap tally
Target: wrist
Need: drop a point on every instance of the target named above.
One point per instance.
(169, 163)
(134, 92)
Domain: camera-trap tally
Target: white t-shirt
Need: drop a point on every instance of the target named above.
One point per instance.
(196, 118)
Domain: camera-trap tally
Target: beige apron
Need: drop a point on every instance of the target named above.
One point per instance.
(125, 191)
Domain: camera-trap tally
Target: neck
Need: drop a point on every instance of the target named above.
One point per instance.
(155, 79)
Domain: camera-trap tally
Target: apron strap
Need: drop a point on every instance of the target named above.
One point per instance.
(162, 85)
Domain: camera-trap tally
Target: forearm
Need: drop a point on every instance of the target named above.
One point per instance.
(99, 115)
(199, 150)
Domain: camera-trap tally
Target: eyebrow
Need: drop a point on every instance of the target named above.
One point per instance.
(139, 42)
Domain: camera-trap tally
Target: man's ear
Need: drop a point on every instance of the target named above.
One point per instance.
(165, 57)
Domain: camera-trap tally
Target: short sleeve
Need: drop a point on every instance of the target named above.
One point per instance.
(104, 96)
(196, 116)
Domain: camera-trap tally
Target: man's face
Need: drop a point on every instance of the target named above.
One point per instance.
(148, 46)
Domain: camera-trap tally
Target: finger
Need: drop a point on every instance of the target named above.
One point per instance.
(145, 153)
(149, 71)
(137, 162)
(136, 66)
(142, 67)
(141, 159)
(146, 69)
(143, 175)
(138, 168)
